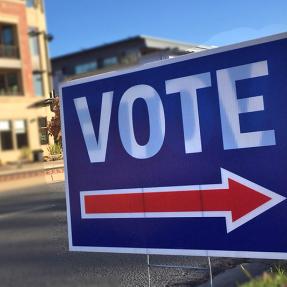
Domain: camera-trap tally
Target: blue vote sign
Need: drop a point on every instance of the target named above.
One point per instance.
(186, 156)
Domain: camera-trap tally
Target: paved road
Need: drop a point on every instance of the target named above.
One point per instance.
(33, 249)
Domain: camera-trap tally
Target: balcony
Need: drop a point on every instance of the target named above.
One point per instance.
(9, 51)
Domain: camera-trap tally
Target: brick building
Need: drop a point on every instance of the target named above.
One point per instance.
(24, 78)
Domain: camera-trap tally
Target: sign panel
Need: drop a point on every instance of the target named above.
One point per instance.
(186, 156)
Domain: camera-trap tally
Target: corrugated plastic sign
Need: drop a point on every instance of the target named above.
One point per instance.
(186, 156)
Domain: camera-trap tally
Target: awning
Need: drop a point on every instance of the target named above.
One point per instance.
(41, 104)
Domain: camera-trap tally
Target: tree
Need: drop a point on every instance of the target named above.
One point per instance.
(54, 125)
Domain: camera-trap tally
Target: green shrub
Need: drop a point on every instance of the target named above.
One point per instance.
(54, 149)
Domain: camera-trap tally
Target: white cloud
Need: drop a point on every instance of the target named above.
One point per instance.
(244, 33)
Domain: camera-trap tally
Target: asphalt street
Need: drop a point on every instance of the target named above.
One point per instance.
(34, 250)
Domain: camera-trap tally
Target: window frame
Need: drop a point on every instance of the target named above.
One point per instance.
(11, 137)
(86, 67)
(21, 133)
(6, 88)
(39, 74)
(42, 129)
(110, 61)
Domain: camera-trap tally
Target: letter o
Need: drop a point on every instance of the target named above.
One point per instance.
(156, 121)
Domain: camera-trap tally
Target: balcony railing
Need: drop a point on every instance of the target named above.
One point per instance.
(9, 51)
(6, 93)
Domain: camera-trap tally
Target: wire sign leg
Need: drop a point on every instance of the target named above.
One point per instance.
(210, 271)
(148, 270)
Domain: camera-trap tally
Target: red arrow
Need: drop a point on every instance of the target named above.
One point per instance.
(236, 199)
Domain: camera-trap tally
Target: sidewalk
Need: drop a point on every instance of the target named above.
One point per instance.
(13, 176)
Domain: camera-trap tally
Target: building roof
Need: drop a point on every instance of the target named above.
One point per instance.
(169, 42)
(149, 41)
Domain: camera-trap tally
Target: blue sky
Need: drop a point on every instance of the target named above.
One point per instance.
(78, 25)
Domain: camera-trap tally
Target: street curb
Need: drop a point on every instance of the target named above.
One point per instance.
(235, 276)
(31, 173)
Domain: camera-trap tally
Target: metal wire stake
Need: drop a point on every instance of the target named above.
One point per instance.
(210, 271)
(148, 270)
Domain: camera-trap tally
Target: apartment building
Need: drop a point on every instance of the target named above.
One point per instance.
(125, 53)
(24, 79)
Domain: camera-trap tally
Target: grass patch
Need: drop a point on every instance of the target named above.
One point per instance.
(278, 278)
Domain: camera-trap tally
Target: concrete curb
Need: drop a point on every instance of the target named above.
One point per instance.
(235, 276)
(22, 174)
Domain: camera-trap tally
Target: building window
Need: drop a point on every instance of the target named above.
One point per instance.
(43, 131)
(34, 42)
(6, 138)
(31, 3)
(34, 48)
(20, 127)
(8, 42)
(7, 35)
(110, 61)
(9, 83)
(131, 56)
(85, 68)
(38, 84)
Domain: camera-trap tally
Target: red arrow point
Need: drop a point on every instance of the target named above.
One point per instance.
(244, 199)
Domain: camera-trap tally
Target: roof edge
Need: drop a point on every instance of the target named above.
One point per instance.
(132, 38)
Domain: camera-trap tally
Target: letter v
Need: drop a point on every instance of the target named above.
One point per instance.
(96, 148)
